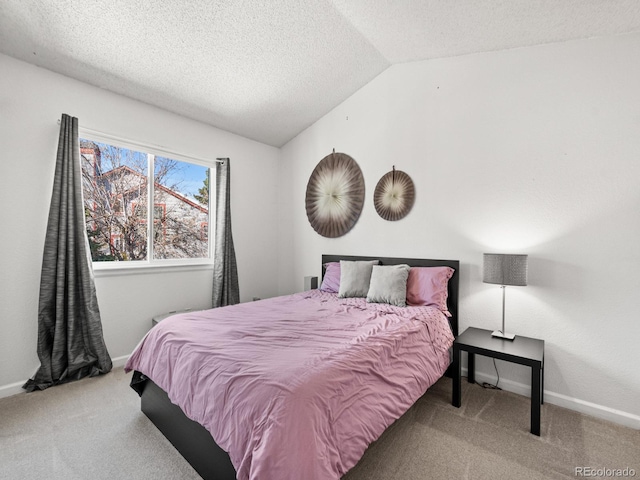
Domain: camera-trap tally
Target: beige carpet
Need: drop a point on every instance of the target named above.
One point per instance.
(93, 429)
(488, 438)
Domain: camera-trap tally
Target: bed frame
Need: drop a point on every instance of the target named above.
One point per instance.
(194, 442)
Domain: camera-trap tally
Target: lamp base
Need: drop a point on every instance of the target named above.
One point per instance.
(504, 336)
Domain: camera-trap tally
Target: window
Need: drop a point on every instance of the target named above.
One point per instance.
(117, 185)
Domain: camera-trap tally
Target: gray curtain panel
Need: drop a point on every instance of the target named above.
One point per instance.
(70, 341)
(225, 270)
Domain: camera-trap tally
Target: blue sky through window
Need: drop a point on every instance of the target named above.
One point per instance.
(194, 176)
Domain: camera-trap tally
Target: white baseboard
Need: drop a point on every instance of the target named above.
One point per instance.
(16, 388)
(119, 361)
(11, 389)
(575, 404)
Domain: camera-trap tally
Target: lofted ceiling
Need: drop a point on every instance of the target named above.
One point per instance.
(267, 69)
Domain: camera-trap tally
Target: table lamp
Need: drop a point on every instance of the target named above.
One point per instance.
(504, 269)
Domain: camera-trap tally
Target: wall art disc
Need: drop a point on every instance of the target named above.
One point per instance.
(335, 195)
(394, 195)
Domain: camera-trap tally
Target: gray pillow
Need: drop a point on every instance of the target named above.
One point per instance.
(389, 285)
(355, 278)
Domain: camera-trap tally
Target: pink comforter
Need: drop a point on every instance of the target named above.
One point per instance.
(296, 387)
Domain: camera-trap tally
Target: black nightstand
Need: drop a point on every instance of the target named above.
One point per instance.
(158, 318)
(522, 350)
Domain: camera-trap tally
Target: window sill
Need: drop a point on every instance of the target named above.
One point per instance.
(110, 270)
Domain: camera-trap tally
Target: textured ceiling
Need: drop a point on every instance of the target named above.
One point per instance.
(266, 70)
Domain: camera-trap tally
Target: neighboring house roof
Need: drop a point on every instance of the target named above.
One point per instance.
(158, 186)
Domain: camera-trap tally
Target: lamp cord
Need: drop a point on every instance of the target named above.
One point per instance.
(489, 385)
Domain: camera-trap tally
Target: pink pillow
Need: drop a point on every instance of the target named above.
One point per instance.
(331, 279)
(428, 286)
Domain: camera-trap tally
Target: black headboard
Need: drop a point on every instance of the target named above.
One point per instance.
(452, 300)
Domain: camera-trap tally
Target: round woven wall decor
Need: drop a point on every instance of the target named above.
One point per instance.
(335, 195)
(394, 195)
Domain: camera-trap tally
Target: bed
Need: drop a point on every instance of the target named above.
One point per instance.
(285, 388)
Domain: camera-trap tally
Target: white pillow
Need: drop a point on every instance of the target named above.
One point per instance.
(389, 284)
(355, 277)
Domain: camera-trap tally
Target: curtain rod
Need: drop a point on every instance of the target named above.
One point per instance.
(146, 145)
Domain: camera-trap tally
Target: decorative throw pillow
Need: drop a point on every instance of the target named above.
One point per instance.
(355, 278)
(331, 279)
(389, 284)
(428, 286)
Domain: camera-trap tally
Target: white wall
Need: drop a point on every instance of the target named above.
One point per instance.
(533, 150)
(31, 101)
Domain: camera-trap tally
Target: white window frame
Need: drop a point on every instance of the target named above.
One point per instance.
(151, 264)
